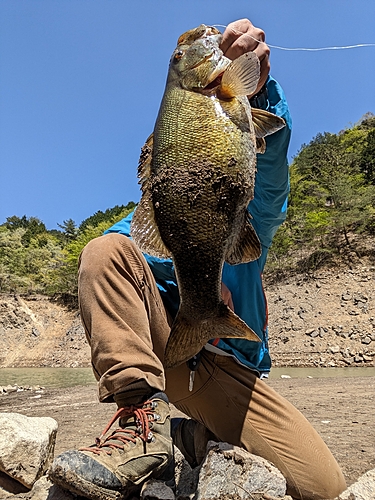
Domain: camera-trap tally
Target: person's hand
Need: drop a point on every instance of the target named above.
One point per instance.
(226, 296)
(240, 37)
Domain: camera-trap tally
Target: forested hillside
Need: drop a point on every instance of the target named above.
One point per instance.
(331, 215)
(36, 260)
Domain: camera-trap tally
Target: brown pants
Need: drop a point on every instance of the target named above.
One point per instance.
(127, 328)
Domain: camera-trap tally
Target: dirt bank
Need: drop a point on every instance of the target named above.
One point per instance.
(325, 319)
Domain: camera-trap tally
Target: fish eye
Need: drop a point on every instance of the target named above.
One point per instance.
(179, 54)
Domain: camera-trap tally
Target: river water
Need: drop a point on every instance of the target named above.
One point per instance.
(69, 377)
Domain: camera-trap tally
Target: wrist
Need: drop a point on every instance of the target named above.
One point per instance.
(260, 99)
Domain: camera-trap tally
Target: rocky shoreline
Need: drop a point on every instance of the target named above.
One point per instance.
(323, 320)
(5, 390)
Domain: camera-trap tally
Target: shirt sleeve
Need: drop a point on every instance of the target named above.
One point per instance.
(268, 208)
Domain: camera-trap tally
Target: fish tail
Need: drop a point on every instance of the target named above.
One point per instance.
(187, 339)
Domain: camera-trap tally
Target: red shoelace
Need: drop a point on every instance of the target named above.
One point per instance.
(143, 415)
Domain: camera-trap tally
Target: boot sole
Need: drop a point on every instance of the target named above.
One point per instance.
(75, 484)
(88, 490)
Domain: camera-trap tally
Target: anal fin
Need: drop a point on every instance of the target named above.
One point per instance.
(265, 123)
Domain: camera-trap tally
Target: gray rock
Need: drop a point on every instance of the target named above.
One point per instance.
(231, 472)
(367, 358)
(311, 332)
(9, 486)
(334, 349)
(363, 489)
(366, 340)
(186, 478)
(26, 446)
(156, 490)
(35, 332)
(10, 388)
(353, 312)
(43, 489)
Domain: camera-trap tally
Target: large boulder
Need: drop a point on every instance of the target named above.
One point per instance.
(363, 489)
(231, 472)
(26, 446)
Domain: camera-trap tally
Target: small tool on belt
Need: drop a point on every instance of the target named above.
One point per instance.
(193, 365)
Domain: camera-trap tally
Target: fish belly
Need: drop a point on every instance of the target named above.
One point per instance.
(199, 212)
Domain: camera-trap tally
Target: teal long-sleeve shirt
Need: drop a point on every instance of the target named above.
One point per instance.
(268, 209)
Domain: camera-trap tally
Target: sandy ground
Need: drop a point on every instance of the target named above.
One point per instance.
(341, 409)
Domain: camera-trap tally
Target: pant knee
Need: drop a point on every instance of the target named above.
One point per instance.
(104, 251)
(323, 488)
(102, 247)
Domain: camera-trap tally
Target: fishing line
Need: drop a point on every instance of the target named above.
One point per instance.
(316, 49)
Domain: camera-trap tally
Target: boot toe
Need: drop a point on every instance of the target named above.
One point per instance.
(75, 463)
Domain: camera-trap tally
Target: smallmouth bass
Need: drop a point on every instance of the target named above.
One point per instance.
(197, 173)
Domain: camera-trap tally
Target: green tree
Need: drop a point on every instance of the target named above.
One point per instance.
(331, 193)
(32, 226)
(28, 269)
(367, 160)
(107, 216)
(69, 230)
(66, 275)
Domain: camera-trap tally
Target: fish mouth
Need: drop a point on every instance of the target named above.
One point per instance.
(216, 76)
(211, 87)
(215, 82)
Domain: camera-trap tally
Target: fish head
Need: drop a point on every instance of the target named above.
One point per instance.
(198, 62)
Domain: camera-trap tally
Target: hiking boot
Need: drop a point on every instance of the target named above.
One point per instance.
(121, 460)
(191, 439)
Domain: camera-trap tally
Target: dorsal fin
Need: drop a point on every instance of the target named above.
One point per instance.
(144, 229)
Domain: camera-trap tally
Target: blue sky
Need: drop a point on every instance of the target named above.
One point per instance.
(81, 83)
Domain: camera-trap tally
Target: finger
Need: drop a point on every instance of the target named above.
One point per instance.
(248, 42)
(241, 37)
(265, 65)
(262, 50)
(232, 32)
(237, 30)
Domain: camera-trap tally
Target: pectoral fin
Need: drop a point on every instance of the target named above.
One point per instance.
(260, 145)
(241, 77)
(144, 229)
(247, 247)
(265, 123)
